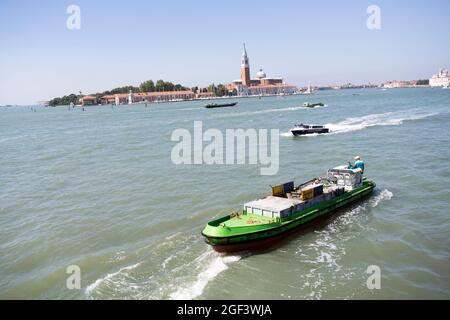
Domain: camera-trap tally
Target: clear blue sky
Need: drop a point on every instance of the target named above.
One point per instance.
(200, 42)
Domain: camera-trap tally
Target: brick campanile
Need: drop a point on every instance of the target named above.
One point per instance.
(245, 68)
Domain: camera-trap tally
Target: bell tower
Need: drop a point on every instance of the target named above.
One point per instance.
(245, 68)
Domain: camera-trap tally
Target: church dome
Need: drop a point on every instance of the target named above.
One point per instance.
(260, 74)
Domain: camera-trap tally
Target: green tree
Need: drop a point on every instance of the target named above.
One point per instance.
(125, 89)
(169, 86)
(160, 85)
(221, 90)
(423, 82)
(212, 88)
(65, 100)
(147, 86)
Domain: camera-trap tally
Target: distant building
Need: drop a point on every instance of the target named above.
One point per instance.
(163, 96)
(399, 84)
(109, 99)
(142, 97)
(44, 103)
(88, 100)
(205, 95)
(442, 79)
(262, 85)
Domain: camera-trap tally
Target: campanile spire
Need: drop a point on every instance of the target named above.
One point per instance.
(245, 68)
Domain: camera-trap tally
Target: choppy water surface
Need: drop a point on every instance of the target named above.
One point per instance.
(97, 189)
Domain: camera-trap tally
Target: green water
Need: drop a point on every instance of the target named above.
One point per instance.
(98, 189)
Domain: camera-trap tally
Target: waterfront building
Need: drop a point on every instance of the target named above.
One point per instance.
(261, 85)
(142, 97)
(109, 99)
(88, 100)
(442, 79)
(400, 84)
(205, 95)
(166, 96)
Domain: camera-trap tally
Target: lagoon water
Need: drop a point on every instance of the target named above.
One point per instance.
(98, 189)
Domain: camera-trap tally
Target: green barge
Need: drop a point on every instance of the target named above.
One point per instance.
(266, 221)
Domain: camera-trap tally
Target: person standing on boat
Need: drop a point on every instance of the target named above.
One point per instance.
(358, 164)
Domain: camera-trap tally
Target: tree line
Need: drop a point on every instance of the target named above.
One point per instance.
(161, 85)
(147, 86)
(424, 82)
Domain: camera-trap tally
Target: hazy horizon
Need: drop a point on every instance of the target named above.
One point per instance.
(199, 42)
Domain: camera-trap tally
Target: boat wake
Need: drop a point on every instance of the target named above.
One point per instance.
(379, 197)
(372, 120)
(381, 119)
(324, 255)
(109, 279)
(214, 264)
(185, 266)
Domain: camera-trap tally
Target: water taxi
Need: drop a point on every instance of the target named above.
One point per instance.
(304, 129)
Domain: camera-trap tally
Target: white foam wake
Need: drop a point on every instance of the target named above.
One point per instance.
(214, 264)
(90, 288)
(286, 134)
(383, 195)
(381, 119)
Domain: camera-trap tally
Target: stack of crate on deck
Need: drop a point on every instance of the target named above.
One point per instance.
(311, 191)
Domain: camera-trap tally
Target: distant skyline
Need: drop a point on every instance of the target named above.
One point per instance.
(200, 42)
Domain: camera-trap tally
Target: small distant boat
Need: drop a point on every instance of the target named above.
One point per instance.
(222, 105)
(312, 105)
(303, 129)
(307, 91)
